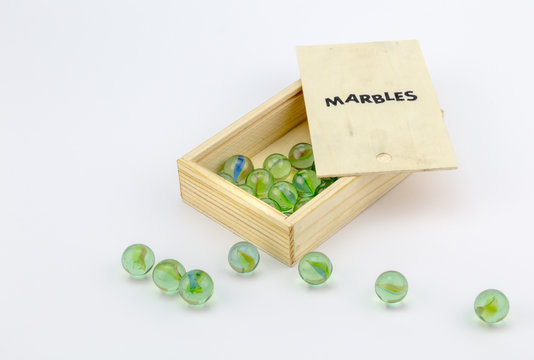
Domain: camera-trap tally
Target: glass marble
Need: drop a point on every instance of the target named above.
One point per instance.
(391, 287)
(260, 181)
(319, 189)
(301, 201)
(329, 180)
(306, 182)
(137, 260)
(315, 268)
(491, 306)
(227, 177)
(285, 195)
(325, 182)
(247, 189)
(278, 165)
(238, 167)
(196, 287)
(301, 156)
(243, 257)
(167, 275)
(272, 203)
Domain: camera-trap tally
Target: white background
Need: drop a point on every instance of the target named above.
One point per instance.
(99, 98)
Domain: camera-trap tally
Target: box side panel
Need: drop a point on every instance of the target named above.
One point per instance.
(238, 211)
(255, 131)
(346, 200)
(297, 135)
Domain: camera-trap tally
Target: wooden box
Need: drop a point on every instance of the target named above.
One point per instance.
(274, 127)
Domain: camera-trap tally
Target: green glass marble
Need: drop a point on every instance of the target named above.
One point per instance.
(243, 257)
(491, 306)
(196, 287)
(325, 182)
(247, 189)
(329, 180)
(260, 181)
(315, 268)
(227, 177)
(285, 195)
(301, 201)
(278, 165)
(319, 189)
(391, 287)
(272, 203)
(167, 275)
(306, 182)
(238, 167)
(301, 156)
(137, 260)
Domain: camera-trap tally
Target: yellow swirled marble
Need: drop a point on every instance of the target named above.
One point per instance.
(391, 287)
(315, 268)
(243, 257)
(491, 306)
(137, 260)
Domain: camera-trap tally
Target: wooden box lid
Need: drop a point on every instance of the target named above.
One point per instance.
(371, 108)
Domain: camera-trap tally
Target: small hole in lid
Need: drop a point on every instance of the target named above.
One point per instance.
(383, 157)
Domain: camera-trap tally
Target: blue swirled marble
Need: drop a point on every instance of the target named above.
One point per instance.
(238, 167)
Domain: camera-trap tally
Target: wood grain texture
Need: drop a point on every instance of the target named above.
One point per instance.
(287, 238)
(237, 210)
(372, 135)
(346, 198)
